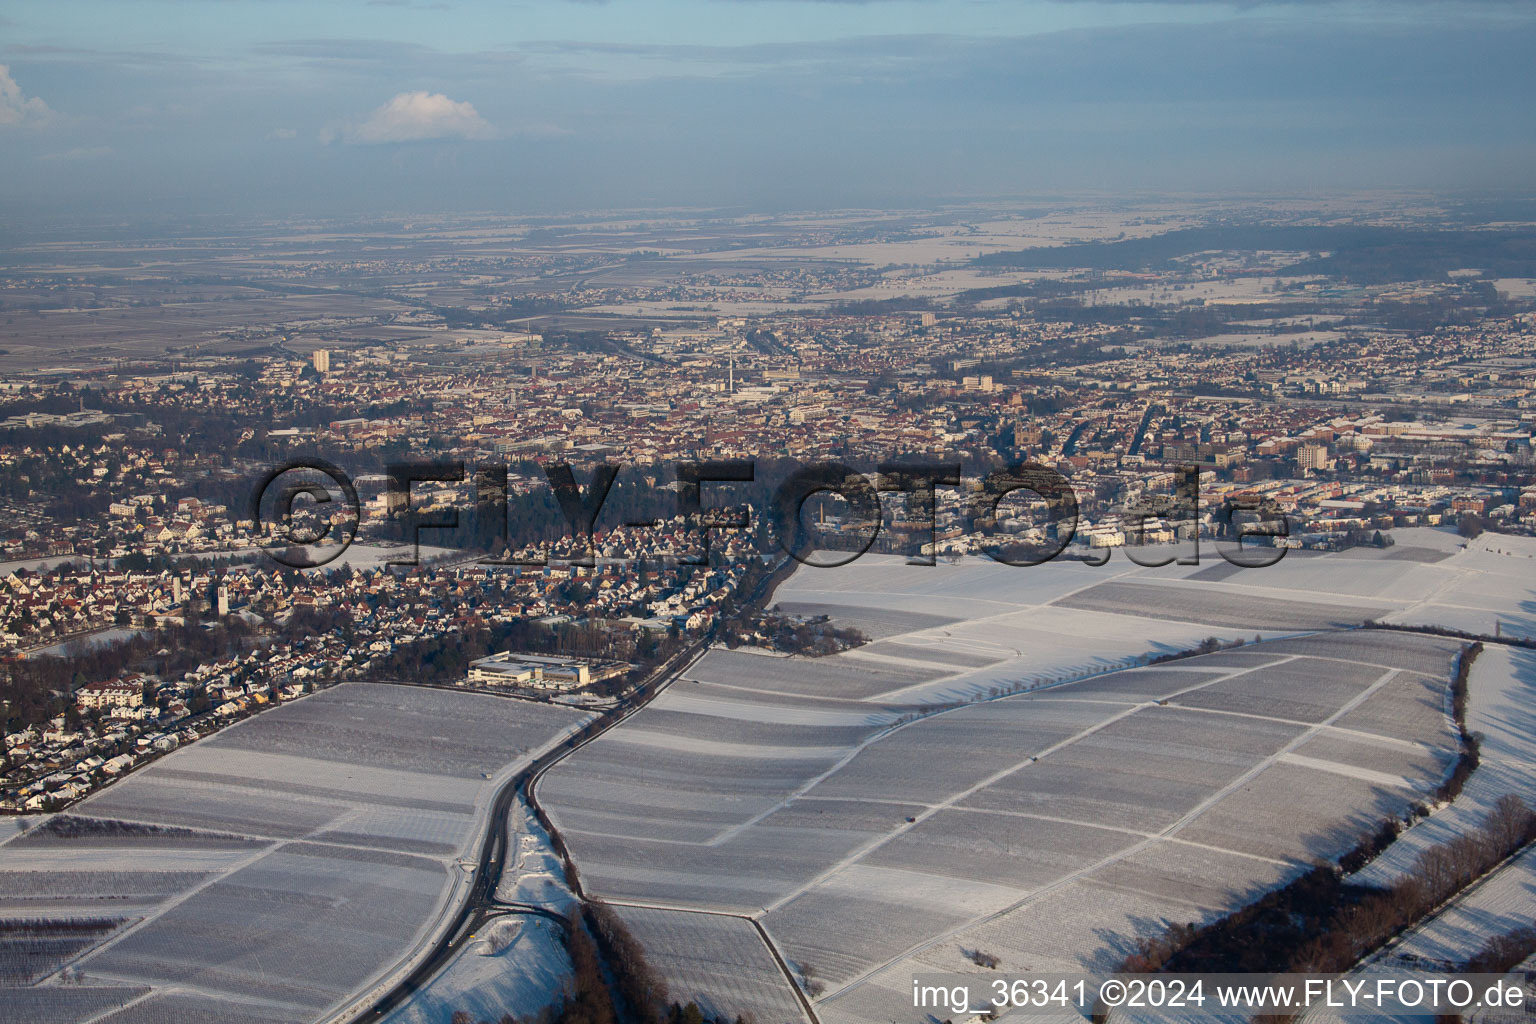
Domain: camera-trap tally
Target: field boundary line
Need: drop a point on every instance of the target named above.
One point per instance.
(1003, 773)
(1222, 849)
(135, 1001)
(1000, 812)
(1171, 831)
(170, 905)
(863, 851)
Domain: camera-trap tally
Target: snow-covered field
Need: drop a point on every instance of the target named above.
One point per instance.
(15, 824)
(1498, 905)
(358, 556)
(999, 769)
(719, 962)
(39, 564)
(873, 838)
(516, 964)
(954, 632)
(1501, 698)
(1154, 814)
(277, 868)
(1050, 827)
(1487, 588)
(1501, 709)
(81, 644)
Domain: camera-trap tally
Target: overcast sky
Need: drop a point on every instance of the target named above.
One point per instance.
(357, 106)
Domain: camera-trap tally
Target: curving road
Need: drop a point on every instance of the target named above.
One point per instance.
(481, 904)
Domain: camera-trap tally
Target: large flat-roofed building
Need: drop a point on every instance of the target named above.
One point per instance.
(499, 670)
(541, 672)
(110, 695)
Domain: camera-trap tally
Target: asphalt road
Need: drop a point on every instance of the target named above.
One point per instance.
(481, 904)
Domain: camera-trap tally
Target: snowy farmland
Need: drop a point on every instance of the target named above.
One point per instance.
(1501, 694)
(1501, 699)
(277, 868)
(722, 962)
(958, 631)
(1155, 813)
(872, 833)
(1000, 769)
(1498, 905)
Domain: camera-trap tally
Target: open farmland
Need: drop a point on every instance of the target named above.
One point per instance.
(82, 338)
(977, 628)
(330, 828)
(1498, 905)
(1501, 695)
(67, 1005)
(697, 953)
(1487, 589)
(1144, 787)
(873, 830)
(13, 826)
(847, 676)
(33, 949)
(1193, 603)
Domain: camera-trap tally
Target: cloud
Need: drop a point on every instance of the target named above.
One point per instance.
(282, 133)
(16, 109)
(416, 117)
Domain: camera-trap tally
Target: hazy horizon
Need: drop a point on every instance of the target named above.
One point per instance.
(268, 106)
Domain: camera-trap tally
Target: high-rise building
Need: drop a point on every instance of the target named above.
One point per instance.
(322, 360)
(1313, 456)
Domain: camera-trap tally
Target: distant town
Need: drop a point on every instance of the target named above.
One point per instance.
(1319, 398)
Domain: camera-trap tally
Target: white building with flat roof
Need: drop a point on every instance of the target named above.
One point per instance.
(540, 672)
